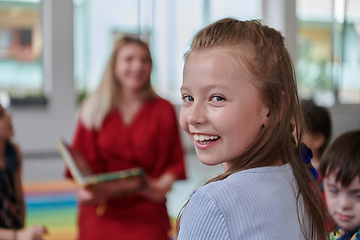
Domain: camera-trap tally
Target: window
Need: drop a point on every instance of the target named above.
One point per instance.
(347, 46)
(170, 26)
(21, 49)
(328, 64)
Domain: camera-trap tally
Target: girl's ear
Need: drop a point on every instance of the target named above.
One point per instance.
(265, 112)
(265, 115)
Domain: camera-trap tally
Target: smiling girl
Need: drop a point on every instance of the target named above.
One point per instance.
(240, 107)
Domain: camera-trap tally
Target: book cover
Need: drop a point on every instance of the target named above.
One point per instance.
(81, 172)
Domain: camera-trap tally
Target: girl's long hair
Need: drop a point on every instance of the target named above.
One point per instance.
(263, 52)
(104, 99)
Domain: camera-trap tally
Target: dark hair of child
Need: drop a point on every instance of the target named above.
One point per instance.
(317, 120)
(343, 155)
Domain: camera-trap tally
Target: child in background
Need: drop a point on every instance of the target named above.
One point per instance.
(318, 129)
(12, 206)
(239, 102)
(317, 132)
(340, 167)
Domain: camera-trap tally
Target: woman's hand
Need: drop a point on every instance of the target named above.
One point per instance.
(103, 191)
(157, 189)
(31, 233)
(86, 196)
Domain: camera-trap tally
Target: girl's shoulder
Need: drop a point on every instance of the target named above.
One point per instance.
(251, 198)
(249, 175)
(244, 184)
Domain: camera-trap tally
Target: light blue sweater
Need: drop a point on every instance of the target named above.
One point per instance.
(258, 203)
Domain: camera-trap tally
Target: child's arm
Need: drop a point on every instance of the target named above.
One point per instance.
(30, 233)
(202, 220)
(6, 234)
(18, 184)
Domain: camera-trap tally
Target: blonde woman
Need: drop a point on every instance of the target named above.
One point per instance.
(122, 125)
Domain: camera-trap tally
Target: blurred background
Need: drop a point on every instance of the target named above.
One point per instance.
(53, 53)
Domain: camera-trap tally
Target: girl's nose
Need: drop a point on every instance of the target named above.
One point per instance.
(196, 116)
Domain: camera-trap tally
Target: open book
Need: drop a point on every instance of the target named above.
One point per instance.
(82, 173)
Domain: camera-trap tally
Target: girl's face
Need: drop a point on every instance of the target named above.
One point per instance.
(221, 112)
(132, 67)
(6, 128)
(343, 203)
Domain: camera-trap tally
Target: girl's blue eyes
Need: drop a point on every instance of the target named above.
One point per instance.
(217, 98)
(188, 98)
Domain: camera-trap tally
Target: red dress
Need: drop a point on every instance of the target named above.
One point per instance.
(152, 142)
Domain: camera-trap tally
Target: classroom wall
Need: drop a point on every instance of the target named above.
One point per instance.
(344, 118)
(37, 126)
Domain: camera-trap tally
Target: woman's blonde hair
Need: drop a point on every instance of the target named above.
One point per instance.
(263, 52)
(104, 99)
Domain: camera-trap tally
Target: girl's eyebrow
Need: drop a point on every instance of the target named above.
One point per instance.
(183, 89)
(224, 87)
(212, 86)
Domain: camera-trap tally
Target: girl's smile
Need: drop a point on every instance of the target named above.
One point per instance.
(205, 141)
(221, 111)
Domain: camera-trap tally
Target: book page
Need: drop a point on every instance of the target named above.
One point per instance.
(84, 176)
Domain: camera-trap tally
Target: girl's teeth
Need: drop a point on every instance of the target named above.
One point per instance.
(202, 138)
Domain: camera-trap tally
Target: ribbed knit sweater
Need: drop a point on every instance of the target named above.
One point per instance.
(258, 203)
